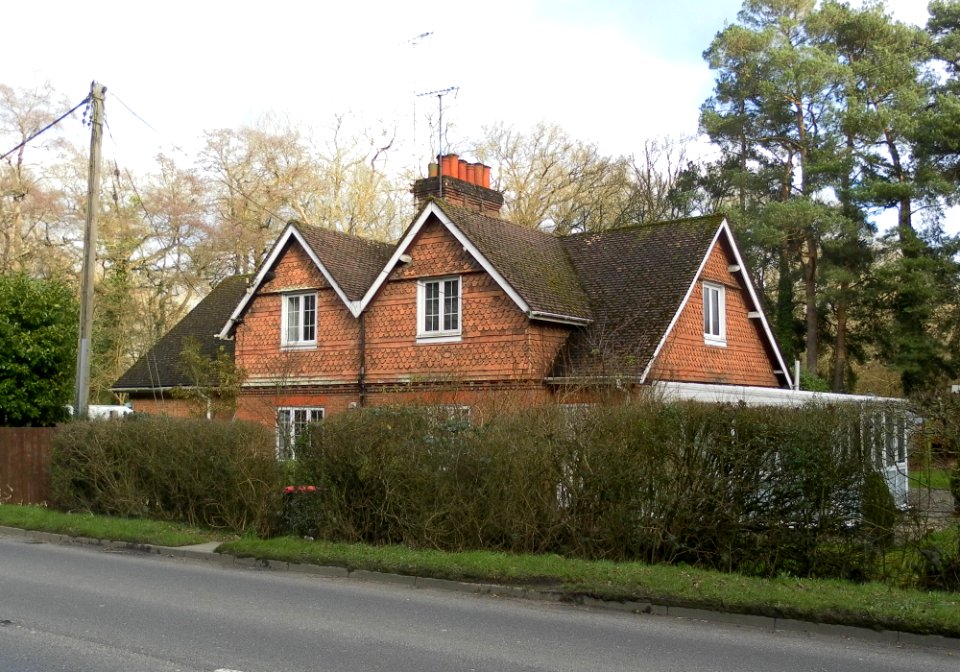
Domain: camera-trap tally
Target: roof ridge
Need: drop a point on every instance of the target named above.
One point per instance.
(302, 227)
(444, 205)
(650, 225)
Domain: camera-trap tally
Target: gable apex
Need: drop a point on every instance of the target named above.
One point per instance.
(291, 233)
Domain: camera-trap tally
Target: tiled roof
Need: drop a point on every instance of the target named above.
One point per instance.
(636, 279)
(353, 262)
(533, 262)
(160, 366)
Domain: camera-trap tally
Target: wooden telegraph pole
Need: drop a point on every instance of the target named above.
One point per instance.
(82, 397)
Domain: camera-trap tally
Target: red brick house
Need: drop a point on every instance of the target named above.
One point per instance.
(470, 311)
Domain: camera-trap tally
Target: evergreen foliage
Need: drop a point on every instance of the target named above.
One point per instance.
(828, 114)
(38, 343)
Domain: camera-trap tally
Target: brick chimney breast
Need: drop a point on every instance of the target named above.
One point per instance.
(463, 184)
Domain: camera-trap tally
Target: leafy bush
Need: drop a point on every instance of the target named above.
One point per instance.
(212, 473)
(38, 343)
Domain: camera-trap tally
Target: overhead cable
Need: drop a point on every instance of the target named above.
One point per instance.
(48, 127)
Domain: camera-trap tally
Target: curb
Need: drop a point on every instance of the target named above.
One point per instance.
(767, 623)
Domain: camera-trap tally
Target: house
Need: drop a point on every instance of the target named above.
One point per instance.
(471, 312)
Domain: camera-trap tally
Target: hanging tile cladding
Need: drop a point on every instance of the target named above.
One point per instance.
(294, 270)
(743, 361)
(336, 355)
(498, 341)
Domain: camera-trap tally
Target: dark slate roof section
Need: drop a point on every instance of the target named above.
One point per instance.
(353, 262)
(636, 278)
(160, 366)
(534, 263)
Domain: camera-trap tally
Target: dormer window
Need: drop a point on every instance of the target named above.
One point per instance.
(299, 320)
(438, 309)
(714, 314)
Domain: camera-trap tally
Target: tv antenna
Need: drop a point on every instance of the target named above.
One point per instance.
(440, 93)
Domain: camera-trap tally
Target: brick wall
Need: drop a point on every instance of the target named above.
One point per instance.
(744, 359)
(174, 408)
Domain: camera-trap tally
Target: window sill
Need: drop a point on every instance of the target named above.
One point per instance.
(439, 338)
(715, 342)
(298, 346)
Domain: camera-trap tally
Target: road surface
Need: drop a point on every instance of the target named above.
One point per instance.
(73, 609)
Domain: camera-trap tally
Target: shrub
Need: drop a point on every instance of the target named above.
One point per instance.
(38, 344)
(758, 490)
(201, 472)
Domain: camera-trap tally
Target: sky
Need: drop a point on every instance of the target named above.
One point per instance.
(611, 72)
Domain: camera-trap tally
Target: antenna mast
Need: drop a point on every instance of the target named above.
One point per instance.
(440, 94)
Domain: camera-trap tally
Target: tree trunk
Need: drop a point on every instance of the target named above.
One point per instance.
(810, 296)
(840, 345)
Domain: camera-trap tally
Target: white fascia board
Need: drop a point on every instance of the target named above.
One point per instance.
(289, 232)
(745, 279)
(559, 319)
(434, 209)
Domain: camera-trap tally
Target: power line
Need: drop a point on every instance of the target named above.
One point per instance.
(48, 126)
(142, 120)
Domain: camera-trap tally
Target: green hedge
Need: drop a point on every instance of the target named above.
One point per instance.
(210, 473)
(758, 490)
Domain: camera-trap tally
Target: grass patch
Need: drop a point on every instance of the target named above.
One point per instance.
(873, 605)
(102, 527)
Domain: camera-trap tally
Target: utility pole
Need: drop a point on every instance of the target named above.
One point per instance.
(82, 397)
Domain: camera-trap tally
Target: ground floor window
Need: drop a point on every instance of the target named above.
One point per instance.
(292, 423)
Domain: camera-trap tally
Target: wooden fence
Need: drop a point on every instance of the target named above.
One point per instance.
(25, 464)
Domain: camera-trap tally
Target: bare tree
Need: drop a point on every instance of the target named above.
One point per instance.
(31, 203)
(549, 178)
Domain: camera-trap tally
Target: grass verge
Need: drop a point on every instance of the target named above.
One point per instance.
(101, 527)
(872, 605)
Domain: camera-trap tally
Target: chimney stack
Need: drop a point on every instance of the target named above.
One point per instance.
(461, 183)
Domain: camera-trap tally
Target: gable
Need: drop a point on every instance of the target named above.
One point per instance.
(743, 358)
(530, 266)
(639, 280)
(293, 270)
(348, 265)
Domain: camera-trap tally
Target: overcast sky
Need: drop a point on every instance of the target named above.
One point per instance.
(613, 72)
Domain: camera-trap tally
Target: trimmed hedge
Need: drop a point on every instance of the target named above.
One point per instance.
(201, 472)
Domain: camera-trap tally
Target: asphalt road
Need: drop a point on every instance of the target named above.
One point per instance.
(65, 608)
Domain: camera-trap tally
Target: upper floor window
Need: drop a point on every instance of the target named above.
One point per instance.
(292, 424)
(714, 314)
(299, 320)
(438, 309)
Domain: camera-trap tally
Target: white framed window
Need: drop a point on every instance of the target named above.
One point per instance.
(714, 314)
(438, 309)
(298, 320)
(292, 422)
(456, 413)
